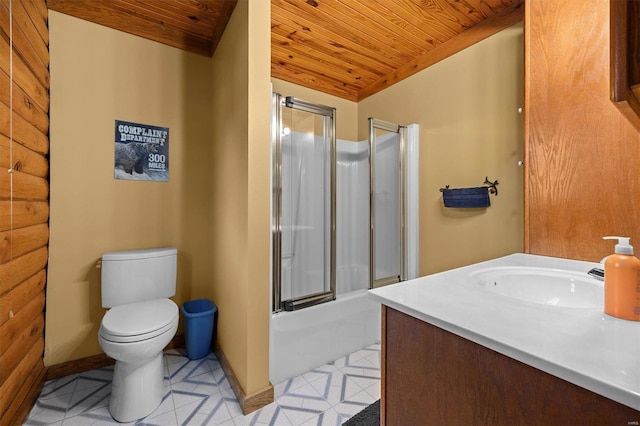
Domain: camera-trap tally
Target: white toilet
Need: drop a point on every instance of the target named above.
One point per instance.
(136, 285)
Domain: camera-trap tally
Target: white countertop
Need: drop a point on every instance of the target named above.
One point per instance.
(583, 346)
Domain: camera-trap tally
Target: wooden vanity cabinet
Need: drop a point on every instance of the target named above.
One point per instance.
(433, 377)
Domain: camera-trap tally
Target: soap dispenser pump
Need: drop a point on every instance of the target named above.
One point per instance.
(622, 282)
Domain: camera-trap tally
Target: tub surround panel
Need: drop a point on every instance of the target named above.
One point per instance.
(582, 346)
(432, 376)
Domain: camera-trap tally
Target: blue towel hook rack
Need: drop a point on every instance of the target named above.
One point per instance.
(492, 186)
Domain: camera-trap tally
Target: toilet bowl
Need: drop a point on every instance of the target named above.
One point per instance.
(135, 335)
(142, 320)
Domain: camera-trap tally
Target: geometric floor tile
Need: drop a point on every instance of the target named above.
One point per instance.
(198, 393)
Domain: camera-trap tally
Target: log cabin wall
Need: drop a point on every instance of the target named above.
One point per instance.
(24, 205)
(582, 155)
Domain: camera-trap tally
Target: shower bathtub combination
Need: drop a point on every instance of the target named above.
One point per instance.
(344, 220)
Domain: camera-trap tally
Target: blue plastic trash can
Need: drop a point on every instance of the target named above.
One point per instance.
(199, 317)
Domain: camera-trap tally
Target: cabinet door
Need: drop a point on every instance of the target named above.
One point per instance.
(582, 154)
(433, 377)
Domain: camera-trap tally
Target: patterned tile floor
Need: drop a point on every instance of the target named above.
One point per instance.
(198, 393)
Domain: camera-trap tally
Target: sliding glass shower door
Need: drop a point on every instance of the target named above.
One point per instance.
(303, 203)
(387, 142)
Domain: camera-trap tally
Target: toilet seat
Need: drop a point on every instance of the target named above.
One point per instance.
(135, 322)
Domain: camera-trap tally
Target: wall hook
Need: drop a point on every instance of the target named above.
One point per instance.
(492, 186)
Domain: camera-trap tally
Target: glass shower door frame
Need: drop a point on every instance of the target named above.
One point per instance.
(375, 124)
(278, 103)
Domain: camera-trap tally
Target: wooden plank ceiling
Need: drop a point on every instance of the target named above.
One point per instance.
(192, 25)
(347, 48)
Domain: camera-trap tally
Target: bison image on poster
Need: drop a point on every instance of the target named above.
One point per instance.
(141, 152)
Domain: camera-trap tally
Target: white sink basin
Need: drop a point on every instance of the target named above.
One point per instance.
(551, 287)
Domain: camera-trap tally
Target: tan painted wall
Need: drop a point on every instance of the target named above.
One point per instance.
(229, 187)
(215, 208)
(259, 264)
(346, 111)
(466, 106)
(241, 192)
(99, 75)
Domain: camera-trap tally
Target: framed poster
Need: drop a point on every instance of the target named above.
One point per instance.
(141, 152)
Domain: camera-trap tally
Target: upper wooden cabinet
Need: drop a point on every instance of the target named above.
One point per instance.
(581, 153)
(625, 54)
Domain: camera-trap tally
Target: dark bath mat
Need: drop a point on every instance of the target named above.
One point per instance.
(370, 416)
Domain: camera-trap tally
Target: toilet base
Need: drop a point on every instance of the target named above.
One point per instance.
(137, 389)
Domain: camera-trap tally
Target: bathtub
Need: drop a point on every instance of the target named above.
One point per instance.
(305, 339)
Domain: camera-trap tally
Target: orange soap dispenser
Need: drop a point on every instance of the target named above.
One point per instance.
(622, 282)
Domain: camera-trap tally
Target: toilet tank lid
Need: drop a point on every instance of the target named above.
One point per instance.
(140, 254)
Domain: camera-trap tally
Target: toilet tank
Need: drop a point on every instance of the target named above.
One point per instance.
(138, 275)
